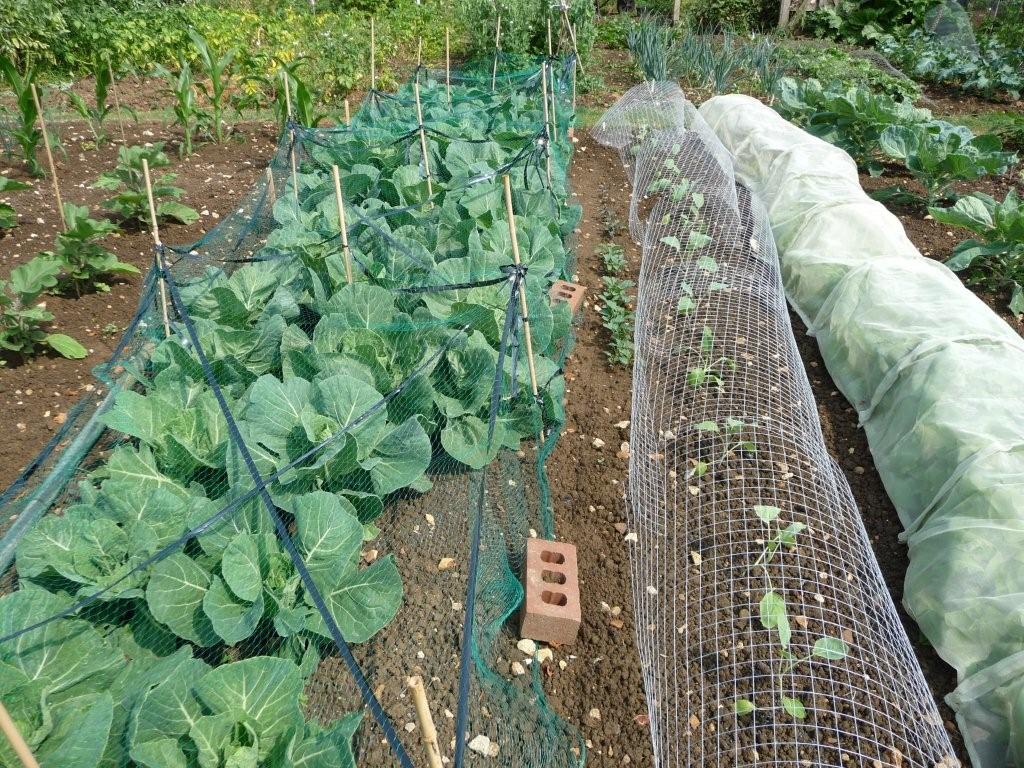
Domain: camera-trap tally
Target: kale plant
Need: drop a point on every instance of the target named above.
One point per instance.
(994, 260)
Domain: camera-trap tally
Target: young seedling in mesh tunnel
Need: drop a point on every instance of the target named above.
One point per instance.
(774, 614)
(687, 303)
(710, 370)
(731, 428)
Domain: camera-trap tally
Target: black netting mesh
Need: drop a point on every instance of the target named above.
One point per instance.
(310, 469)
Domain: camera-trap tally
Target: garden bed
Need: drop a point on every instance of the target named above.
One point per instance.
(37, 394)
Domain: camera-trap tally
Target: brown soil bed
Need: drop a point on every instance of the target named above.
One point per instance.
(36, 394)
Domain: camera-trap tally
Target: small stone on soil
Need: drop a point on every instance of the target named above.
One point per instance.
(527, 646)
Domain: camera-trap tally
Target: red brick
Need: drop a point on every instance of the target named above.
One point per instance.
(571, 293)
(551, 609)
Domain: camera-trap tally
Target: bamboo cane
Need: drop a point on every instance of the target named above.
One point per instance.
(117, 100)
(21, 749)
(572, 126)
(291, 133)
(155, 226)
(497, 50)
(373, 54)
(49, 156)
(554, 107)
(271, 190)
(572, 32)
(342, 224)
(419, 52)
(423, 141)
(348, 114)
(448, 65)
(547, 143)
(522, 293)
(428, 733)
(551, 51)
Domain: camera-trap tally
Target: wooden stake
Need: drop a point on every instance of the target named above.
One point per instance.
(428, 733)
(554, 108)
(342, 224)
(419, 52)
(291, 133)
(522, 293)
(21, 749)
(551, 51)
(271, 190)
(572, 32)
(544, 98)
(49, 156)
(497, 50)
(348, 114)
(155, 226)
(423, 140)
(373, 54)
(572, 124)
(448, 65)
(117, 101)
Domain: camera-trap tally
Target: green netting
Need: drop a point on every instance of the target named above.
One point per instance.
(309, 471)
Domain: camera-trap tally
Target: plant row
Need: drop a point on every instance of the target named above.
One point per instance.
(345, 396)
(79, 261)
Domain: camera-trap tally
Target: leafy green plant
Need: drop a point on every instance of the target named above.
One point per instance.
(22, 318)
(613, 258)
(127, 180)
(617, 318)
(732, 429)
(96, 115)
(303, 107)
(187, 113)
(852, 118)
(26, 132)
(8, 216)
(993, 71)
(838, 66)
(81, 258)
(217, 67)
(710, 371)
(774, 614)
(994, 260)
(940, 154)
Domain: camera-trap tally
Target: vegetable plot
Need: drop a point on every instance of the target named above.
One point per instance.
(238, 525)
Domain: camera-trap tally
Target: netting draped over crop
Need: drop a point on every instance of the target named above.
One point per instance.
(310, 469)
(766, 632)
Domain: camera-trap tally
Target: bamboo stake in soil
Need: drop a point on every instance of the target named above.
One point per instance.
(419, 53)
(155, 226)
(117, 101)
(348, 114)
(572, 31)
(49, 156)
(342, 224)
(554, 108)
(21, 749)
(373, 54)
(448, 65)
(271, 191)
(522, 293)
(423, 140)
(428, 733)
(572, 116)
(547, 140)
(551, 51)
(291, 132)
(497, 50)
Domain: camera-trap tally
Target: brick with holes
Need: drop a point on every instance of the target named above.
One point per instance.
(551, 610)
(571, 293)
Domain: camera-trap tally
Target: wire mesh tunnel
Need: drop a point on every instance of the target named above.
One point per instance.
(312, 465)
(766, 633)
